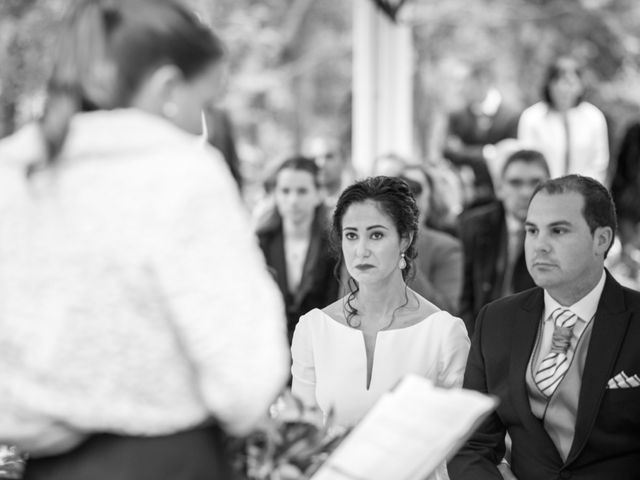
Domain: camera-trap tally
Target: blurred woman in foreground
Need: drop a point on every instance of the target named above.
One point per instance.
(127, 262)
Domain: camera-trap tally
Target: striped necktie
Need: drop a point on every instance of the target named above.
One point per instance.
(555, 364)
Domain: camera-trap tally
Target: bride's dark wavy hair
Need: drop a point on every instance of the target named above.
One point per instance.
(393, 196)
(108, 47)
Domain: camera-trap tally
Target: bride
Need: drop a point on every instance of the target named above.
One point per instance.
(348, 354)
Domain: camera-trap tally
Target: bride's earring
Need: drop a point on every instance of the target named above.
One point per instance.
(403, 262)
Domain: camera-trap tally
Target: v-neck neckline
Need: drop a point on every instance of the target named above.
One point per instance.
(369, 374)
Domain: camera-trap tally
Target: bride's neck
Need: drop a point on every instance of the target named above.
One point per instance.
(379, 305)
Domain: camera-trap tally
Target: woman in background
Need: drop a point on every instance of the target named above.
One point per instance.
(295, 241)
(570, 132)
(348, 354)
(137, 314)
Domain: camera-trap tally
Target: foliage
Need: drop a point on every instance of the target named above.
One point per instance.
(290, 71)
(11, 463)
(290, 445)
(290, 61)
(26, 30)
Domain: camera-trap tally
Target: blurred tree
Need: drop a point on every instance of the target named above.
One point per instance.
(26, 28)
(290, 73)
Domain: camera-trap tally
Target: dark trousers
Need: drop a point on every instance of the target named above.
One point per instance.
(191, 455)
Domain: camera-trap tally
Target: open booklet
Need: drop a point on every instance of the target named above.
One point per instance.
(408, 433)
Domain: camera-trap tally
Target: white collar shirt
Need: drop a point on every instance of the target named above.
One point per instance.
(585, 309)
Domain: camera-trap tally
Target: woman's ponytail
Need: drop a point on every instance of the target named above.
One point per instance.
(83, 76)
(106, 50)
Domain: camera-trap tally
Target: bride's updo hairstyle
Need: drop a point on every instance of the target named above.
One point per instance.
(394, 198)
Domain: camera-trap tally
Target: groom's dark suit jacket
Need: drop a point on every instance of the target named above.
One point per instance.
(606, 444)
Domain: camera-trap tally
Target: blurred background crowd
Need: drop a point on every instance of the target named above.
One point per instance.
(481, 80)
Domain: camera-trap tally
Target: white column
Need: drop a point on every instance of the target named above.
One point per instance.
(382, 87)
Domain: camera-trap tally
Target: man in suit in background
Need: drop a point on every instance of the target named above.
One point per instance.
(493, 237)
(477, 130)
(562, 358)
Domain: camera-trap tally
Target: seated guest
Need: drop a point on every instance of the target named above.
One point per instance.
(492, 237)
(375, 222)
(295, 241)
(624, 259)
(562, 358)
(626, 174)
(439, 263)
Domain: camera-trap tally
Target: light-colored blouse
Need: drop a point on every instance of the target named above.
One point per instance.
(587, 143)
(330, 365)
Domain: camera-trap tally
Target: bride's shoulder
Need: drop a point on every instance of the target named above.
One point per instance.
(428, 311)
(425, 308)
(336, 311)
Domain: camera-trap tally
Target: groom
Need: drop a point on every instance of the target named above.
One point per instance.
(563, 358)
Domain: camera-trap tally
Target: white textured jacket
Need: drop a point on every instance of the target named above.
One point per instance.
(133, 295)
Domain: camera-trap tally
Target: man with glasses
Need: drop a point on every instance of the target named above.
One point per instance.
(493, 236)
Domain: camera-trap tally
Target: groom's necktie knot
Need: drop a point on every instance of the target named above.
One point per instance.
(554, 365)
(564, 320)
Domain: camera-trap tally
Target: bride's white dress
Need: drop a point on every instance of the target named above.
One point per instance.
(330, 366)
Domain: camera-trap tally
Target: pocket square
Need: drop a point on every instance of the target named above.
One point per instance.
(622, 380)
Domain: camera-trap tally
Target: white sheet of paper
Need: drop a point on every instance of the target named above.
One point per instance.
(408, 433)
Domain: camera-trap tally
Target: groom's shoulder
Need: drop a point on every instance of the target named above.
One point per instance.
(527, 299)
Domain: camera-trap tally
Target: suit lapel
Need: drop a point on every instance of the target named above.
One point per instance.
(486, 256)
(279, 262)
(308, 271)
(317, 243)
(609, 328)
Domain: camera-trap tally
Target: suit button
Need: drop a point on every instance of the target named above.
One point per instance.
(565, 474)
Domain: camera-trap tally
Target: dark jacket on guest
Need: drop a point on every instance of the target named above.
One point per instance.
(318, 286)
(475, 131)
(627, 172)
(484, 236)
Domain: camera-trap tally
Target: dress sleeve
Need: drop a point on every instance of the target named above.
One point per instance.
(527, 125)
(455, 349)
(598, 166)
(303, 368)
(220, 299)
